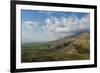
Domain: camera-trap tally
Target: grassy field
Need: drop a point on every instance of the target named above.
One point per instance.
(76, 48)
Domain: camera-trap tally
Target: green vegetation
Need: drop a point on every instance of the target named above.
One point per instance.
(68, 48)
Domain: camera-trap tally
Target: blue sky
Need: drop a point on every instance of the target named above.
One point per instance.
(41, 26)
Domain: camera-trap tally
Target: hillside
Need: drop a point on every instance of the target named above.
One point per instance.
(67, 48)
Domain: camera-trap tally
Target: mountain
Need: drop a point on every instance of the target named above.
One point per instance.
(81, 39)
(75, 47)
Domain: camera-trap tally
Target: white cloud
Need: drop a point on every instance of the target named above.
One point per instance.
(30, 24)
(60, 27)
(66, 26)
(85, 22)
(47, 13)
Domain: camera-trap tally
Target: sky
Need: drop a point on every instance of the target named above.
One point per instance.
(42, 26)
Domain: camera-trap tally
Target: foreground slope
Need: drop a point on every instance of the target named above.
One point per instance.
(68, 48)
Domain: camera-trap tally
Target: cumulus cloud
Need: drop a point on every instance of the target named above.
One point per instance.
(85, 22)
(61, 27)
(30, 24)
